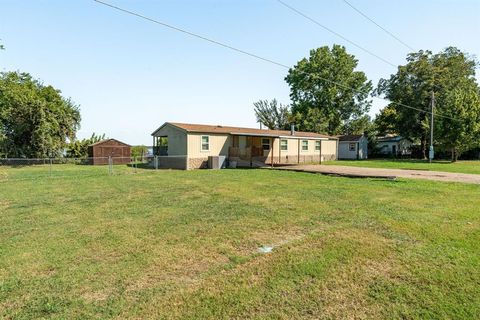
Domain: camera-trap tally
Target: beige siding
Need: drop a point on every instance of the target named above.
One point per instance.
(177, 140)
(329, 149)
(219, 144)
(295, 154)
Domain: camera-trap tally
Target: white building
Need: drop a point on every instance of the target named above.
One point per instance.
(353, 147)
(394, 145)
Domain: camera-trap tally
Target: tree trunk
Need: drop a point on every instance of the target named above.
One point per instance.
(454, 155)
(423, 146)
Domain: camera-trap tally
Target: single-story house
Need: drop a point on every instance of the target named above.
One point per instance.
(118, 151)
(188, 146)
(353, 147)
(394, 145)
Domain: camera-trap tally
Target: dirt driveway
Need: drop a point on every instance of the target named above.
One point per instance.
(385, 173)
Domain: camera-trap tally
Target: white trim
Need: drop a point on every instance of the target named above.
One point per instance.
(201, 143)
(169, 124)
(301, 146)
(280, 144)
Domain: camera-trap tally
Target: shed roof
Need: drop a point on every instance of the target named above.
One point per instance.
(108, 140)
(203, 128)
(350, 137)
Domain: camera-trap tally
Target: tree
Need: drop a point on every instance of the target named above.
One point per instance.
(79, 148)
(35, 120)
(414, 83)
(359, 125)
(139, 151)
(272, 114)
(328, 83)
(461, 131)
(386, 121)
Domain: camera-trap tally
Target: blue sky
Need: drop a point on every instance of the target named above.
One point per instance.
(129, 76)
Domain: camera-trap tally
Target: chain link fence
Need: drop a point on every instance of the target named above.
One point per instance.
(39, 168)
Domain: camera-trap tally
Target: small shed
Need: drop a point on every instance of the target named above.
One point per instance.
(353, 147)
(99, 152)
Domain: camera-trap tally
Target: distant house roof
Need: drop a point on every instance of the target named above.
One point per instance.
(390, 139)
(108, 140)
(203, 128)
(350, 138)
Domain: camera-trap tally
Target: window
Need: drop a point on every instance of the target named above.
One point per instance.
(352, 147)
(205, 143)
(304, 145)
(317, 145)
(284, 145)
(266, 144)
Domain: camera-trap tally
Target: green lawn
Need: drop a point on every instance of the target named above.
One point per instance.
(446, 166)
(184, 245)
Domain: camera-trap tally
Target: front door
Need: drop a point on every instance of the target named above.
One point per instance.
(266, 146)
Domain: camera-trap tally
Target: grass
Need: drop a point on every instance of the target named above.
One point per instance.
(445, 166)
(184, 245)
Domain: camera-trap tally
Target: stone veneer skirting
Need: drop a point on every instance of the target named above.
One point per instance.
(202, 163)
(197, 163)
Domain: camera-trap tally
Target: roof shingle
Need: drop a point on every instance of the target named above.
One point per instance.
(203, 128)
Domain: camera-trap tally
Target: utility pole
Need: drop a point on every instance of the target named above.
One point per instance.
(431, 151)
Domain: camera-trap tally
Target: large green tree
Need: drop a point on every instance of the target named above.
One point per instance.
(272, 114)
(411, 88)
(386, 122)
(328, 86)
(79, 148)
(461, 130)
(35, 120)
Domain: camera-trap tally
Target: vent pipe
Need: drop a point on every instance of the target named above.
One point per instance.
(292, 129)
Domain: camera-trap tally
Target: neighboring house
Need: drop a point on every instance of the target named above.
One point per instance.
(188, 146)
(101, 151)
(394, 145)
(353, 147)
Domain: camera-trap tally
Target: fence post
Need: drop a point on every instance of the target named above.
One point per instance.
(155, 162)
(135, 163)
(110, 165)
(50, 167)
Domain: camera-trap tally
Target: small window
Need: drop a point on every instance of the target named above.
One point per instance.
(205, 143)
(266, 144)
(304, 145)
(317, 145)
(284, 145)
(352, 147)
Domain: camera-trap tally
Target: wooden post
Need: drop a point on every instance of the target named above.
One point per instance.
(280, 150)
(153, 146)
(298, 156)
(320, 160)
(271, 151)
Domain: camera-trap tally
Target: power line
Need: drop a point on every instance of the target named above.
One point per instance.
(335, 33)
(378, 25)
(339, 35)
(247, 53)
(191, 34)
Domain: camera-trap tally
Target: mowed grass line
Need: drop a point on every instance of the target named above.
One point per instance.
(176, 244)
(472, 167)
